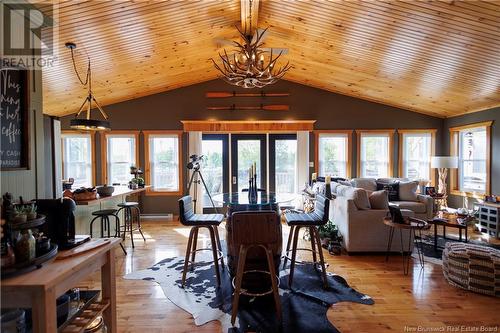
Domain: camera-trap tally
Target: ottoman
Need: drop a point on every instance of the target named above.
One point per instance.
(472, 267)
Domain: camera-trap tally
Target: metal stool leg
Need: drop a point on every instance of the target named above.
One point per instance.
(188, 252)
(102, 227)
(138, 220)
(91, 224)
(128, 222)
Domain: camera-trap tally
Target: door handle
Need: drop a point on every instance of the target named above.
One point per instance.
(234, 180)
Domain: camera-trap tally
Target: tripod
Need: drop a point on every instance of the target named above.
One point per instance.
(196, 181)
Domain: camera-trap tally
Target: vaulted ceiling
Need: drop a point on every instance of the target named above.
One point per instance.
(434, 57)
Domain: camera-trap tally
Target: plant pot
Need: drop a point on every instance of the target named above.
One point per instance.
(20, 218)
(31, 216)
(324, 242)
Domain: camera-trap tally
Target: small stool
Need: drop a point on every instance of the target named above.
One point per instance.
(104, 215)
(197, 221)
(266, 227)
(131, 214)
(311, 221)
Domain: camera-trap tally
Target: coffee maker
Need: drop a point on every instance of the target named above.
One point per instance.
(60, 222)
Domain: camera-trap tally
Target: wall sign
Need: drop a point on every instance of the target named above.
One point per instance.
(14, 117)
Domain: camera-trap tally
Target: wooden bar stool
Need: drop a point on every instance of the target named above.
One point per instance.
(250, 230)
(104, 215)
(131, 214)
(311, 221)
(197, 221)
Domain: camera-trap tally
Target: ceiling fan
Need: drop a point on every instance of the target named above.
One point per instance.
(250, 65)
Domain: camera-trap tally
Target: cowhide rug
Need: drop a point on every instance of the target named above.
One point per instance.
(303, 308)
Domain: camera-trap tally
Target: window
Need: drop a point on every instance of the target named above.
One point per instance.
(77, 158)
(333, 151)
(283, 163)
(163, 156)
(471, 144)
(375, 154)
(415, 150)
(120, 153)
(215, 167)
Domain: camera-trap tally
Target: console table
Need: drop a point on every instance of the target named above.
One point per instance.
(39, 289)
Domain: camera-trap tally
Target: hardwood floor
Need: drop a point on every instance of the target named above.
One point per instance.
(402, 303)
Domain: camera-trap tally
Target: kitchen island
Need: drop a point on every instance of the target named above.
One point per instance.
(84, 208)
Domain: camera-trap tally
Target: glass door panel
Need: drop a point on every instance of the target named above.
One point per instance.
(247, 149)
(214, 167)
(283, 163)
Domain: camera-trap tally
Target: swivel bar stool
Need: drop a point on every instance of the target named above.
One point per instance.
(131, 214)
(312, 221)
(197, 221)
(104, 215)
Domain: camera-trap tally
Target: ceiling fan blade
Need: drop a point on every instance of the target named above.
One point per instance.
(221, 42)
(259, 32)
(276, 50)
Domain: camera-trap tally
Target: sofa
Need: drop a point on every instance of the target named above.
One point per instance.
(358, 210)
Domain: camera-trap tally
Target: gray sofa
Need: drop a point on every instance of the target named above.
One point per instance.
(359, 214)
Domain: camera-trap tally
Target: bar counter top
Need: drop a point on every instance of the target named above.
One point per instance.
(119, 191)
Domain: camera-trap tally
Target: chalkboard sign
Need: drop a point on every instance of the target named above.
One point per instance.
(14, 135)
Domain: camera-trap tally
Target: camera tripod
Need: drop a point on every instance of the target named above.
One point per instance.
(199, 177)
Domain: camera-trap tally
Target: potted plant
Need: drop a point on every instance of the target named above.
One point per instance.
(31, 212)
(331, 238)
(20, 214)
(140, 182)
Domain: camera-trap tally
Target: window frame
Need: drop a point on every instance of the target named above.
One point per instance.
(390, 162)
(92, 151)
(348, 133)
(150, 191)
(104, 150)
(454, 147)
(401, 133)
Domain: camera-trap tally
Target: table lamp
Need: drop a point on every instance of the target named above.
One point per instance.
(443, 163)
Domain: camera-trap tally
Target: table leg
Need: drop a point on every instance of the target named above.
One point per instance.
(389, 243)
(466, 238)
(44, 312)
(444, 232)
(460, 234)
(108, 283)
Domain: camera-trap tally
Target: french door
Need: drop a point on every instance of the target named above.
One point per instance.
(215, 167)
(245, 150)
(283, 163)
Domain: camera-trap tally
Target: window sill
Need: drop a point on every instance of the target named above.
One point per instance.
(475, 195)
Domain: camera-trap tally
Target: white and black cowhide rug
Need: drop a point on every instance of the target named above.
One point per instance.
(303, 308)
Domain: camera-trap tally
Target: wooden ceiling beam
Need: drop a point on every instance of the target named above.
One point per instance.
(249, 22)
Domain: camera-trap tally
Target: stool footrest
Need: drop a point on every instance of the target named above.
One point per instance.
(220, 255)
(247, 293)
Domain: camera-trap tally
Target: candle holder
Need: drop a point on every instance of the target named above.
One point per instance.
(252, 189)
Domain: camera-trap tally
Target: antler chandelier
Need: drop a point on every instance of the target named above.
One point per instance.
(251, 66)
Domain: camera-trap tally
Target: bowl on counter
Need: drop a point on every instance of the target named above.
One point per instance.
(105, 190)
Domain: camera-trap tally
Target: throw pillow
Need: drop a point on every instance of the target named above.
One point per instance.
(379, 200)
(365, 183)
(361, 199)
(391, 188)
(408, 191)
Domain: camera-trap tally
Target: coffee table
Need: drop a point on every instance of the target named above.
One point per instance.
(449, 220)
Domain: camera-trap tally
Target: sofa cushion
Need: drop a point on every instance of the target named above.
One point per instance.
(361, 199)
(408, 191)
(345, 191)
(379, 200)
(391, 188)
(415, 206)
(365, 183)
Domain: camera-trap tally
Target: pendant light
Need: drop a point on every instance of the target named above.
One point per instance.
(87, 123)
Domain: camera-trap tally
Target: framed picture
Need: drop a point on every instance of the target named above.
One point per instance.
(14, 117)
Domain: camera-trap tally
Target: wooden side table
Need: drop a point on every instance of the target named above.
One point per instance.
(39, 289)
(414, 225)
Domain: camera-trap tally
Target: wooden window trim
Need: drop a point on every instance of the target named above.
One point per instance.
(317, 134)
(454, 131)
(92, 150)
(401, 132)
(390, 133)
(147, 170)
(247, 126)
(104, 149)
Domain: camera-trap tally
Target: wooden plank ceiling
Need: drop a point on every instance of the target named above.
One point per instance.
(437, 58)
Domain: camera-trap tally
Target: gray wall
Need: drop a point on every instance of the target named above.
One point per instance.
(332, 111)
(492, 114)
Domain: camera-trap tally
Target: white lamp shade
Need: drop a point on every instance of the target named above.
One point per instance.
(446, 162)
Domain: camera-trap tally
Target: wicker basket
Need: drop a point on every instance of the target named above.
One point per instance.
(85, 196)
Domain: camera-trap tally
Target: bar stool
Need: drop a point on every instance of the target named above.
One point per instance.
(250, 230)
(104, 215)
(197, 221)
(307, 220)
(131, 213)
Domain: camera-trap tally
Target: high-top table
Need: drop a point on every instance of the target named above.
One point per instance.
(256, 257)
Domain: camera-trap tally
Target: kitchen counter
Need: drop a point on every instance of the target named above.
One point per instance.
(119, 191)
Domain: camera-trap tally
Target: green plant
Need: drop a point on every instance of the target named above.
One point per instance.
(19, 210)
(31, 209)
(330, 230)
(140, 181)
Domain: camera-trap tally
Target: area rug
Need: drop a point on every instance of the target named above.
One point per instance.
(303, 308)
